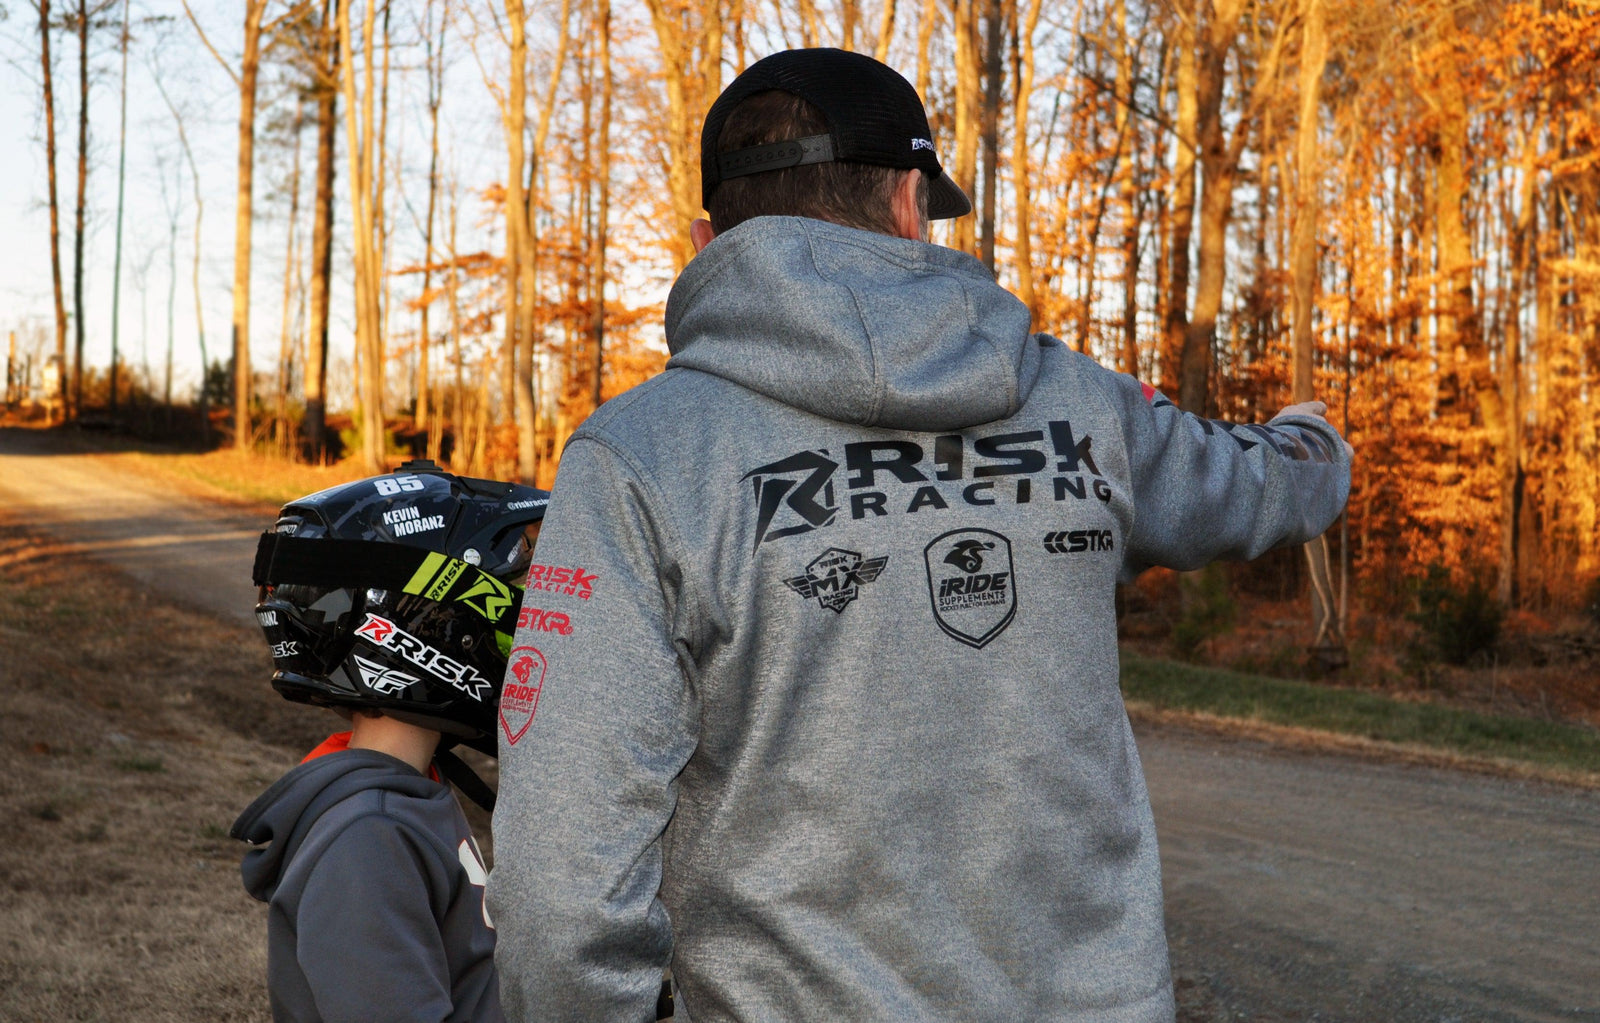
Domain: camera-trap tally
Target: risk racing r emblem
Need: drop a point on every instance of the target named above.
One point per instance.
(793, 495)
(971, 584)
(835, 578)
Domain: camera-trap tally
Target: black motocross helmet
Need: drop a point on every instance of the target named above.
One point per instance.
(399, 594)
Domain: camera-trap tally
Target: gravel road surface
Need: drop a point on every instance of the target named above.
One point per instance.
(1299, 887)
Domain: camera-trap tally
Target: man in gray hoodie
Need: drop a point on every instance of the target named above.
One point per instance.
(830, 722)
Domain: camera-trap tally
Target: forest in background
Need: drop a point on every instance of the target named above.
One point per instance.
(1392, 208)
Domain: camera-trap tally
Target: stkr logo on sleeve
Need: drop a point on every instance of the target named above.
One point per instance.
(835, 578)
(970, 576)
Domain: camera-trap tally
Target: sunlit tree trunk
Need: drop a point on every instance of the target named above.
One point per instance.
(422, 418)
(249, 68)
(280, 414)
(1328, 636)
(994, 27)
(691, 51)
(122, 176)
(1021, 175)
(360, 139)
(48, 81)
(81, 22)
(597, 266)
(968, 95)
(1181, 217)
(316, 372)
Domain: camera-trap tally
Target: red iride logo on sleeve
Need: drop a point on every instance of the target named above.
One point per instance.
(520, 697)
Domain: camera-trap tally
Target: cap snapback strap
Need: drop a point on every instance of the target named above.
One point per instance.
(776, 156)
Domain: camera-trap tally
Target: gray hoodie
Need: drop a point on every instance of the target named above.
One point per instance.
(828, 715)
(376, 895)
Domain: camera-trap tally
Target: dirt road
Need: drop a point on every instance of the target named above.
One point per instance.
(1299, 887)
(196, 553)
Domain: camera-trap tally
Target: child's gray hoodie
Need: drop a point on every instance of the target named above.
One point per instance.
(376, 895)
(816, 689)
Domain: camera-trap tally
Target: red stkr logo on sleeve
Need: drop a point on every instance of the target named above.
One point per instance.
(520, 697)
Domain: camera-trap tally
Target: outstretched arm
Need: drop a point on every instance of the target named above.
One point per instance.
(1204, 490)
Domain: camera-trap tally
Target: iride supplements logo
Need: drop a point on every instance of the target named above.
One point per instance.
(520, 697)
(970, 583)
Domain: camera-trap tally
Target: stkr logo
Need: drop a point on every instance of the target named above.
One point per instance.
(382, 680)
(970, 583)
(787, 495)
(520, 697)
(1075, 541)
(544, 621)
(835, 578)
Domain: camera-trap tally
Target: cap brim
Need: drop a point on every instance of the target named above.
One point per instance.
(946, 200)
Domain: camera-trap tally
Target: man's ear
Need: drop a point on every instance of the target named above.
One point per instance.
(701, 233)
(908, 220)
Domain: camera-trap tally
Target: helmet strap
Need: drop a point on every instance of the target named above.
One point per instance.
(464, 778)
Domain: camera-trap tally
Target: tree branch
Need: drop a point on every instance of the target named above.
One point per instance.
(203, 38)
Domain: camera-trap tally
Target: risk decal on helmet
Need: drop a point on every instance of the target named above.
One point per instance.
(386, 634)
(488, 596)
(520, 697)
(381, 680)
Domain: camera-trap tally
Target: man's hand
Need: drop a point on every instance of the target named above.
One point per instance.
(1317, 409)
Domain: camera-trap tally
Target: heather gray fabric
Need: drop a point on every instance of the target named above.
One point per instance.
(828, 716)
(373, 914)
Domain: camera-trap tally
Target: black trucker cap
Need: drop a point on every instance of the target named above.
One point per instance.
(874, 117)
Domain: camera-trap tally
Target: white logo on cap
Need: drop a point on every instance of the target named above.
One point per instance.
(917, 144)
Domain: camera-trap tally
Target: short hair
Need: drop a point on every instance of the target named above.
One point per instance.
(853, 194)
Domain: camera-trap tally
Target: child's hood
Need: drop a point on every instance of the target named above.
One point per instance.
(281, 817)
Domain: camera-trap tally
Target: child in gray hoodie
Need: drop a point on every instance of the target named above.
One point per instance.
(372, 876)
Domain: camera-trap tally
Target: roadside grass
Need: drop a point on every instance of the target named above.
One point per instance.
(241, 476)
(1159, 687)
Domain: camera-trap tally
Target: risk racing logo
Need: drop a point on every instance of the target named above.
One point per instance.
(383, 633)
(835, 578)
(970, 584)
(520, 698)
(793, 495)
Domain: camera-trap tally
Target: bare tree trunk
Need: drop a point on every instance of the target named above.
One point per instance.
(82, 24)
(360, 144)
(435, 70)
(47, 69)
(122, 174)
(280, 416)
(316, 382)
(993, 27)
(692, 53)
(1022, 67)
(517, 228)
(880, 52)
(1181, 218)
(199, 306)
(1328, 640)
(969, 88)
(597, 281)
(249, 67)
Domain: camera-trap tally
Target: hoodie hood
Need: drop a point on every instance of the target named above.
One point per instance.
(281, 817)
(854, 326)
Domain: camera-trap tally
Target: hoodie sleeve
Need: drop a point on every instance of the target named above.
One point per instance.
(596, 724)
(367, 939)
(1205, 490)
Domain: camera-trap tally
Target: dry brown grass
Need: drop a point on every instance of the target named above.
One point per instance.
(133, 733)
